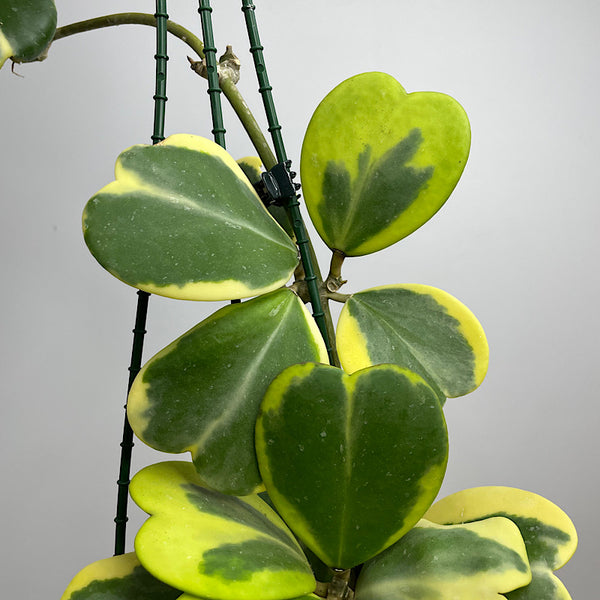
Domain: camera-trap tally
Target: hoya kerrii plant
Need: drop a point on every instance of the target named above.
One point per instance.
(316, 452)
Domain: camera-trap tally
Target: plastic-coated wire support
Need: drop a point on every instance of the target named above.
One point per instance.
(280, 187)
(210, 56)
(139, 329)
(265, 89)
(161, 57)
(281, 173)
(127, 444)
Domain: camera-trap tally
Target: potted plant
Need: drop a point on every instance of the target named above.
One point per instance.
(315, 460)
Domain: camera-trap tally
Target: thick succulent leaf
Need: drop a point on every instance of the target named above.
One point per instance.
(182, 220)
(321, 571)
(419, 327)
(202, 392)
(252, 168)
(549, 534)
(377, 162)
(305, 597)
(26, 29)
(213, 545)
(119, 577)
(351, 461)
(544, 586)
(477, 561)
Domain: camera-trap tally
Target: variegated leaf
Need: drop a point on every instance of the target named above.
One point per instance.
(118, 578)
(351, 462)
(418, 327)
(476, 561)
(182, 220)
(549, 534)
(26, 29)
(213, 545)
(202, 392)
(377, 162)
(305, 597)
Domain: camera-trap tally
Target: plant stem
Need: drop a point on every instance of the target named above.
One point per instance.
(228, 87)
(248, 121)
(338, 588)
(334, 280)
(337, 297)
(131, 18)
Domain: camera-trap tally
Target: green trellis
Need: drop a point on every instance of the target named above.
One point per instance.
(278, 181)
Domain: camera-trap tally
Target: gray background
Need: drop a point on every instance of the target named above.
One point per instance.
(516, 242)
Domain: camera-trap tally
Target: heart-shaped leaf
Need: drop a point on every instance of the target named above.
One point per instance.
(182, 220)
(419, 327)
(351, 462)
(202, 392)
(26, 29)
(477, 561)
(121, 577)
(549, 534)
(213, 545)
(377, 162)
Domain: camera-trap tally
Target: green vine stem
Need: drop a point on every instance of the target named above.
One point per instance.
(334, 280)
(248, 121)
(228, 87)
(130, 18)
(339, 588)
(343, 298)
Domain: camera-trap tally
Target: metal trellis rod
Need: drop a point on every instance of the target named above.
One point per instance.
(292, 204)
(139, 330)
(210, 56)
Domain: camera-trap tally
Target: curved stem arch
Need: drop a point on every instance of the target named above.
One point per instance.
(131, 18)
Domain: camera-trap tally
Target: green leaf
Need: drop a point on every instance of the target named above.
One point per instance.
(182, 220)
(377, 162)
(549, 534)
(419, 327)
(26, 29)
(119, 577)
(202, 392)
(213, 545)
(351, 462)
(252, 168)
(477, 561)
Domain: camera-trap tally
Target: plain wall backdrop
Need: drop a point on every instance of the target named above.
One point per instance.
(517, 242)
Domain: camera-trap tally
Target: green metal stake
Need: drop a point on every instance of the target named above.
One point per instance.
(212, 74)
(210, 56)
(139, 330)
(127, 443)
(161, 57)
(293, 206)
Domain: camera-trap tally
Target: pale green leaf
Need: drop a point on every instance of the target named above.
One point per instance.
(377, 162)
(477, 561)
(214, 545)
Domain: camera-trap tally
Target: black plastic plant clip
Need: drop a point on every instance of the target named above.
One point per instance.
(277, 185)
